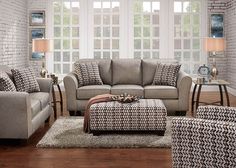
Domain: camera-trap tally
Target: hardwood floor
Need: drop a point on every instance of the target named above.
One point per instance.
(25, 154)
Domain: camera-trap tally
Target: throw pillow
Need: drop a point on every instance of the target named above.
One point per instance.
(25, 80)
(87, 73)
(166, 74)
(6, 83)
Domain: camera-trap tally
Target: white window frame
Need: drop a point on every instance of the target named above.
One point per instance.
(126, 30)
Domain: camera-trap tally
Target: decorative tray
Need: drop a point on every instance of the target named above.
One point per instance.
(125, 98)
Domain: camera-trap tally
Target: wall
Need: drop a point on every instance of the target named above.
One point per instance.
(219, 6)
(37, 5)
(13, 33)
(231, 42)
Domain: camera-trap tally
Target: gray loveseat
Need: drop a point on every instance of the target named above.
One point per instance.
(132, 76)
(21, 113)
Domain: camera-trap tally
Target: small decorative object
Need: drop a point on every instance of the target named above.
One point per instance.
(37, 18)
(37, 33)
(125, 98)
(217, 25)
(204, 72)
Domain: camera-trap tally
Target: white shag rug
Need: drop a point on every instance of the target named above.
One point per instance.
(67, 132)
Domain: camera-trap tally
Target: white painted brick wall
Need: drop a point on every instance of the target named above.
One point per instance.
(219, 6)
(230, 18)
(36, 5)
(13, 33)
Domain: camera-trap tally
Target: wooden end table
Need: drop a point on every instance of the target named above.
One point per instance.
(55, 101)
(219, 83)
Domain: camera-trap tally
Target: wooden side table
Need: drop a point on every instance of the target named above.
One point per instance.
(55, 101)
(219, 83)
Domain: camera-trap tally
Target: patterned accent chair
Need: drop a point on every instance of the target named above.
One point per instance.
(209, 140)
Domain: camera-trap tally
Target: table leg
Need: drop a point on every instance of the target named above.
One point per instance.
(221, 96)
(61, 100)
(198, 95)
(227, 95)
(193, 95)
(54, 102)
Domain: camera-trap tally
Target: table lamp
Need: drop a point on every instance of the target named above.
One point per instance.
(214, 45)
(42, 46)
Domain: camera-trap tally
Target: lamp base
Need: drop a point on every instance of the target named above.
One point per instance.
(214, 72)
(43, 71)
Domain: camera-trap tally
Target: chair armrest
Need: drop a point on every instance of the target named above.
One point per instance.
(15, 115)
(218, 113)
(184, 83)
(203, 143)
(45, 84)
(71, 84)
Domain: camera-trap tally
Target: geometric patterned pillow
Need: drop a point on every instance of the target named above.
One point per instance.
(166, 74)
(6, 83)
(87, 73)
(25, 80)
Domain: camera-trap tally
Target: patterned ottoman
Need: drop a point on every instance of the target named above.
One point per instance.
(145, 115)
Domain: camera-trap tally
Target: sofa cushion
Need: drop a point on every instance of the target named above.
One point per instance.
(6, 83)
(43, 97)
(166, 74)
(35, 107)
(160, 92)
(104, 66)
(25, 80)
(87, 92)
(129, 89)
(87, 73)
(127, 71)
(149, 67)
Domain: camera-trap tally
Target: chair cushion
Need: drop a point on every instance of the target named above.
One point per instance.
(127, 71)
(25, 80)
(35, 107)
(129, 89)
(104, 66)
(43, 97)
(166, 74)
(6, 83)
(87, 73)
(87, 92)
(160, 92)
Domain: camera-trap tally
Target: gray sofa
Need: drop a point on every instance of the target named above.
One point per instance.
(21, 113)
(131, 76)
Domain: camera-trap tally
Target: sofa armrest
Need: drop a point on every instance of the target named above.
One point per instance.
(218, 113)
(71, 84)
(45, 84)
(15, 115)
(203, 143)
(184, 83)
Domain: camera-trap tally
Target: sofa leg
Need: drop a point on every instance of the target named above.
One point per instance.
(72, 113)
(180, 113)
(47, 120)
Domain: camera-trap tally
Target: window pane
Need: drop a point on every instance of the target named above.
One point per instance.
(186, 6)
(97, 32)
(178, 56)
(196, 44)
(137, 44)
(155, 44)
(155, 55)
(155, 7)
(75, 44)
(186, 56)
(106, 6)
(196, 56)
(75, 6)
(66, 32)
(177, 7)
(66, 56)
(106, 44)
(177, 44)
(97, 6)
(75, 19)
(57, 19)
(195, 6)
(137, 32)
(57, 56)
(156, 32)
(66, 44)
(115, 19)
(146, 32)
(138, 6)
(115, 6)
(66, 7)
(187, 44)
(137, 19)
(106, 32)
(57, 44)
(97, 19)
(115, 32)
(155, 19)
(57, 32)
(66, 19)
(75, 32)
(146, 19)
(115, 44)
(57, 7)
(57, 68)
(75, 56)
(66, 68)
(146, 55)
(106, 55)
(115, 55)
(97, 55)
(106, 19)
(146, 44)
(146, 6)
